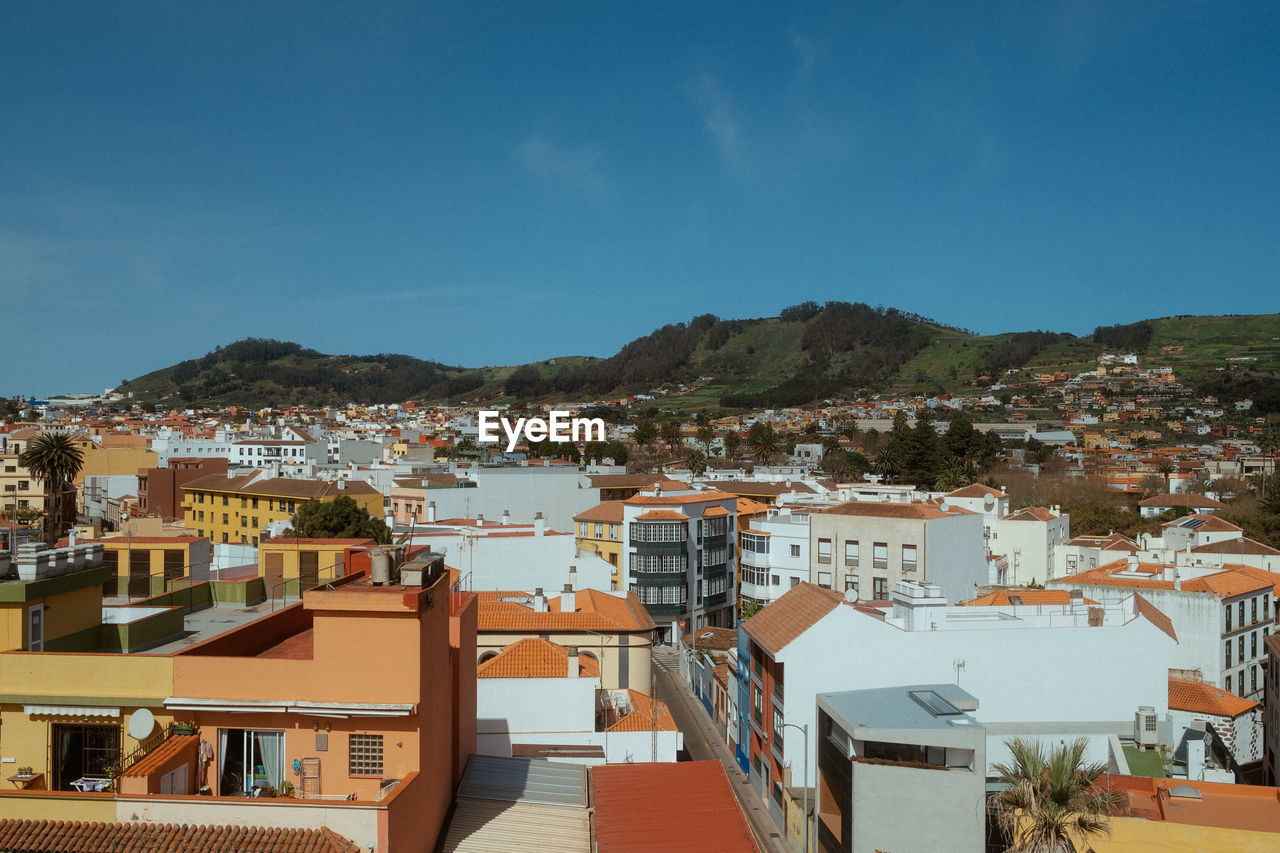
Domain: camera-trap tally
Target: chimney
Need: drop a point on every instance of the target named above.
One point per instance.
(539, 525)
(573, 662)
(342, 484)
(567, 599)
(506, 516)
(1133, 562)
(657, 490)
(431, 512)
(71, 538)
(480, 518)
(539, 601)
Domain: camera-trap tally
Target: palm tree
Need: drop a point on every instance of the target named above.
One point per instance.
(1267, 444)
(54, 458)
(732, 441)
(888, 462)
(955, 475)
(1053, 802)
(764, 444)
(696, 461)
(1166, 470)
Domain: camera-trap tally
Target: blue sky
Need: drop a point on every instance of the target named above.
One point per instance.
(493, 183)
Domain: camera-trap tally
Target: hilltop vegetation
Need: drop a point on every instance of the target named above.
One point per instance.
(809, 352)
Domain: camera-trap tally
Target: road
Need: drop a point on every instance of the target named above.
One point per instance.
(702, 742)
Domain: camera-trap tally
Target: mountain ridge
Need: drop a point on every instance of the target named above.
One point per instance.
(808, 352)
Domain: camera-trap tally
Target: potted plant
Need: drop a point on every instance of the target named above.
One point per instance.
(205, 791)
(286, 788)
(184, 727)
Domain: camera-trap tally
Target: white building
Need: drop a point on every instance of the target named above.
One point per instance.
(774, 555)
(1221, 616)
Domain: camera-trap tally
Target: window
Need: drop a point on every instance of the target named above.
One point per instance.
(599, 531)
(824, 550)
(255, 522)
(365, 755)
(613, 531)
(1072, 562)
(851, 553)
(880, 556)
(1253, 645)
(225, 520)
(200, 532)
(778, 730)
(200, 515)
(851, 584)
(1241, 620)
(24, 485)
(200, 497)
(908, 558)
(757, 704)
(795, 550)
(794, 581)
(824, 579)
(1228, 684)
(1228, 628)
(224, 500)
(255, 503)
(880, 589)
(249, 759)
(651, 563)
(1253, 609)
(1228, 655)
(658, 532)
(1240, 648)
(244, 521)
(582, 530)
(83, 750)
(1253, 678)
(224, 537)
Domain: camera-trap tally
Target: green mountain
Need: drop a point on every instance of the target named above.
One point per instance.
(809, 352)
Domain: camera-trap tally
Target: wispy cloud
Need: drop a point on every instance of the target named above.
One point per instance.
(581, 169)
(722, 118)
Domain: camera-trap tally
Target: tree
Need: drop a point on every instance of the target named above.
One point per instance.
(732, 441)
(54, 458)
(645, 432)
(696, 461)
(763, 440)
(952, 477)
(671, 434)
(340, 518)
(1271, 500)
(1053, 801)
(706, 437)
(1166, 469)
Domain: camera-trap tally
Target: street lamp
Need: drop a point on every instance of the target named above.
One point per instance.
(805, 781)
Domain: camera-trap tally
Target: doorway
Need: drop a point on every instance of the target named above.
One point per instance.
(249, 760)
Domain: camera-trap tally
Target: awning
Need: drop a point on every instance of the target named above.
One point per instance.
(337, 710)
(70, 711)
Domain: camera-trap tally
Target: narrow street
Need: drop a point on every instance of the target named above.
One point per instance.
(702, 742)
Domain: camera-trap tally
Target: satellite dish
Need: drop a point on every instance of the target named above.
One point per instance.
(141, 724)
(989, 503)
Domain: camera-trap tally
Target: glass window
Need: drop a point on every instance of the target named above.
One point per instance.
(1228, 684)
(248, 760)
(908, 558)
(1228, 628)
(824, 550)
(1228, 663)
(880, 589)
(824, 579)
(1241, 620)
(851, 553)
(1253, 609)
(880, 556)
(795, 550)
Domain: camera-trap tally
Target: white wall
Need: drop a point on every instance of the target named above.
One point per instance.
(559, 493)
(1035, 675)
(519, 562)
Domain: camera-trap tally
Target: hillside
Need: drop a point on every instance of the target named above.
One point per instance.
(809, 352)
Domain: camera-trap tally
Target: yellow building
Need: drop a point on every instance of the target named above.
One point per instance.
(599, 531)
(236, 509)
(143, 565)
(288, 565)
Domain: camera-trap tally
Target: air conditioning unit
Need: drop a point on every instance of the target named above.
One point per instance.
(1144, 727)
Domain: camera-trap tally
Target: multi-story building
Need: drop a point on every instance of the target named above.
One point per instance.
(863, 549)
(813, 641)
(1271, 712)
(236, 509)
(160, 489)
(1222, 615)
(774, 555)
(19, 488)
(599, 531)
(680, 558)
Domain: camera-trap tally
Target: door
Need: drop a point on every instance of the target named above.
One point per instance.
(139, 574)
(273, 570)
(308, 570)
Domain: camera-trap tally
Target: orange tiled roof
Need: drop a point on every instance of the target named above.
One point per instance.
(1240, 545)
(714, 511)
(795, 612)
(534, 657)
(874, 509)
(1031, 513)
(1188, 500)
(1201, 698)
(746, 506)
(1000, 598)
(1110, 542)
(649, 714)
(662, 515)
(608, 511)
(161, 754)
(676, 500)
(1208, 524)
(977, 490)
(1232, 580)
(593, 611)
(65, 836)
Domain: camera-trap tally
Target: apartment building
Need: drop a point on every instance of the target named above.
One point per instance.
(773, 555)
(680, 557)
(1222, 615)
(237, 509)
(599, 531)
(862, 549)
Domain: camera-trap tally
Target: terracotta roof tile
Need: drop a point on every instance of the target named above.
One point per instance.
(1231, 581)
(1208, 524)
(64, 836)
(609, 511)
(593, 611)
(795, 612)
(752, 487)
(976, 490)
(677, 500)
(632, 481)
(875, 509)
(714, 511)
(1001, 597)
(1031, 513)
(1240, 545)
(704, 816)
(662, 515)
(1187, 500)
(642, 718)
(1201, 698)
(534, 657)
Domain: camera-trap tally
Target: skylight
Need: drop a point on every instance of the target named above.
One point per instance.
(933, 703)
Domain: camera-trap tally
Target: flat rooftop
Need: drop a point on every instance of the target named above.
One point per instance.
(918, 706)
